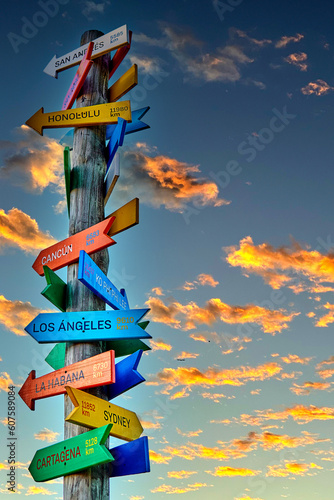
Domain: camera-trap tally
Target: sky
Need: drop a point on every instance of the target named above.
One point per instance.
(233, 253)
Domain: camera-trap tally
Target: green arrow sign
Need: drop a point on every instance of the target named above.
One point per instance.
(55, 291)
(71, 455)
(67, 175)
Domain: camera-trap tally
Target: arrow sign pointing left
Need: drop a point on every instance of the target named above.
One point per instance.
(92, 372)
(87, 326)
(80, 117)
(67, 251)
(72, 455)
(105, 43)
(92, 412)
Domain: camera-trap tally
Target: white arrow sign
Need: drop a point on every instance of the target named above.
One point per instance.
(102, 45)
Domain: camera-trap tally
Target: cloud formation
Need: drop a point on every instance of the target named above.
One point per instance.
(295, 267)
(191, 315)
(296, 469)
(306, 388)
(5, 381)
(297, 59)
(164, 488)
(299, 413)
(161, 181)
(19, 230)
(233, 471)
(46, 435)
(33, 162)
(285, 40)
(319, 87)
(16, 315)
(160, 345)
(202, 280)
(213, 377)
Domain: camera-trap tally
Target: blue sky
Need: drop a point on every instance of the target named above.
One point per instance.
(233, 253)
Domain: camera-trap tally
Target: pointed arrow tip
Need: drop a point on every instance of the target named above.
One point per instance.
(35, 121)
(50, 68)
(25, 391)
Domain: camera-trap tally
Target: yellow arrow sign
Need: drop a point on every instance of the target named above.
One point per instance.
(124, 84)
(126, 217)
(93, 412)
(80, 117)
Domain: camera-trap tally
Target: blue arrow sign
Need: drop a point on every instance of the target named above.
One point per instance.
(91, 275)
(134, 126)
(130, 458)
(126, 375)
(116, 140)
(86, 326)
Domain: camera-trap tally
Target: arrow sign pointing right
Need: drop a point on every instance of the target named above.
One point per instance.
(134, 126)
(92, 372)
(92, 412)
(66, 252)
(130, 458)
(72, 455)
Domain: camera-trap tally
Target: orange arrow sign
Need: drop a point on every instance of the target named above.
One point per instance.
(67, 251)
(92, 372)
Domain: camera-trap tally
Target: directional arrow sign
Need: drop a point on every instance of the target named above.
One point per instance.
(80, 117)
(124, 84)
(67, 251)
(91, 275)
(102, 45)
(56, 357)
(92, 372)
(126, 217)
(79, 78)
(119, 56)
(67, 175)
(93, 412)
(116, 140)
(86, 326)
(71, 455)
(126, 376)
(55, 291)
(134, 126)
(130, 458)
(111, 178)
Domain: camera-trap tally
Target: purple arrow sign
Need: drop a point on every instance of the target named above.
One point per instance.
(91, 275)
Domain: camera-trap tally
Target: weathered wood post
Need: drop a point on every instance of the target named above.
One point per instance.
(87, 209)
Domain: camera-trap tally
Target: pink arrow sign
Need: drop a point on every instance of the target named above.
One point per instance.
(79, 78)
(67, 251)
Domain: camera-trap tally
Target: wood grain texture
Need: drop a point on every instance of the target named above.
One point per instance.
(87, 209)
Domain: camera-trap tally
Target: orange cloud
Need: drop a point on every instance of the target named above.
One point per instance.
(150, 425)
(18, 230)
(300, 414)
(305, 388)
(289, 469)
(190, 433)
(270, 321)
(5, 381)
(247, 498)
(202, 280)
(232, 472)
(15, 315)
(329, 361)
(215, 397)
(187, 355)
(39, 490)
(328, 318)
(181, 474)
(164, 488)
(157, 290)
(190, 451)
(295, 267)
(158, 458)
(270, 441)
(298, 59)
(34, 162)
(47, 435)
(184, 393)
(190, 376)
(163, 181)
(160, 345)
(285, 40)
(319, 87)
(293, 358)
(327, 373)
(205, 337)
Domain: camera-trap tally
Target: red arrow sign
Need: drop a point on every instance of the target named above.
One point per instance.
(79, 78)
(92, 372)
(66, 252)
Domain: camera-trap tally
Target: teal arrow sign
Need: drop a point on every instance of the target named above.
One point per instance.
(71, 455)
(87, 326)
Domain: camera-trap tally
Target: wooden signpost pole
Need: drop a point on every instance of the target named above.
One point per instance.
(87, 209)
